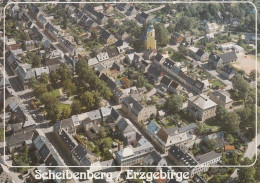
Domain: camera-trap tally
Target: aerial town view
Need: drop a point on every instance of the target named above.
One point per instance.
(118, 88)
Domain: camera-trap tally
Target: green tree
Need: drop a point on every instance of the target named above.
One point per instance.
(33, 59)
(66, 112)
(40, 89)
(69, 87)
(252, 74)
(33, 82)
(54, 79)
(230, 139)
(161, 34)
(220, 114)
(211, 144)
(231, 122)
(140, 82)
(53, 113)
(171, 28)
(76, 107)
(44, 78)
(241, 86)
(174, 103)
(87, 99)
(216, 179)
(64, 72)
(246, 175)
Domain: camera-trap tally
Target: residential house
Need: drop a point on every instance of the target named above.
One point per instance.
(228, 72)
(198, 54)
(155, 73)
(33, 10)
(66, 124)
(222, 99)
(193, 165)
(12, 60)
(52, 31)
(106, 37)
(218, 137)
(118, 95)
(148, 54)
(167, 137)
(143, 18)
(218, 61)
(131, 11)
(121, 34)
(122, 6)
(134, 155)
(136, 111)
(99, 17)
(42, 20)
(30, 45)
(165, 83)
(39, 71)
(79, 154)
(67, 45)
(175, 87)
(126, 131)
(25, 73)
(201, 107)
(176, 38)
(133, 59)
(235, 22)
(17, 141)
(91, 128)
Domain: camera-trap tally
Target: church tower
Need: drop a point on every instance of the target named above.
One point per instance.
(150, 42)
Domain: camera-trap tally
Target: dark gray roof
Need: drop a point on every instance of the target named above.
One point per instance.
(228, 69)
(124, 127)
(166, 80)
(188, 127)
(228, 57)
(207, 157)
(67, 140)
(79, 152)
(183, 158)
(19, 138)
(174, 84)
(158, 57)
(168, 63)
(156, 71)
(136, 107)
(200, 52)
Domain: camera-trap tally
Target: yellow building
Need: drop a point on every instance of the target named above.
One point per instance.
(150, 42)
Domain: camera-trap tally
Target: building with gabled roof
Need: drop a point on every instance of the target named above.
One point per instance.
(218, 61)
(201, 107)
(222, 99)
(136, 111)
(99, 17)
(228, 72)
(167, 137)
(134, 155)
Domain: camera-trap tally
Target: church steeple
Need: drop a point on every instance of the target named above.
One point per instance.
(150, 42)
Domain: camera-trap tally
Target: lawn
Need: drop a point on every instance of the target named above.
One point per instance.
(212, 124)
(62, 106)
(217, 83)
(55, 93)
